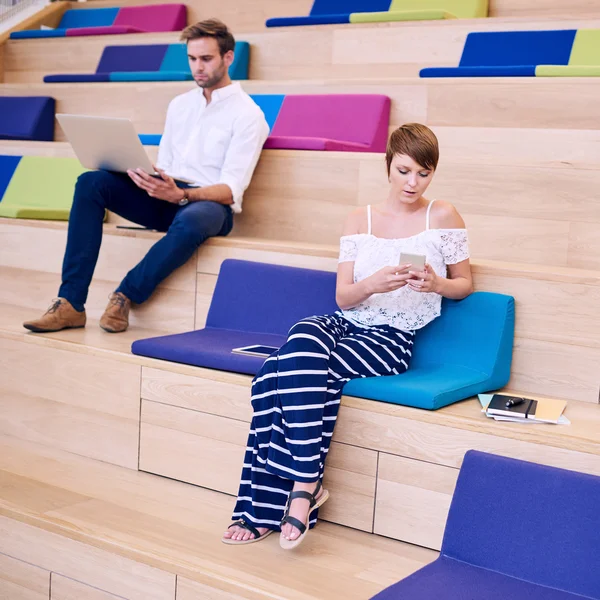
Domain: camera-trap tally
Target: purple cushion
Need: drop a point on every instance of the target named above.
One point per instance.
(515, 530)
(357, 118)
(153, 18)
(147, 57)
(450, 579)
(253, 303)
(109, 30)
(77, 78)
(210, 348)
(27, 118)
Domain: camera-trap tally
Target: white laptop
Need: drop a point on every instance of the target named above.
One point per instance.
(106, 143)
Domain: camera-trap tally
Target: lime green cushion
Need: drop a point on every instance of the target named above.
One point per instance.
(461, 9)
(567, 71)
(586, 48)
(41, 188)
(407, 15)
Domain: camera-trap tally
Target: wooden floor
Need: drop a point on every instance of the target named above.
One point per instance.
(104, 526)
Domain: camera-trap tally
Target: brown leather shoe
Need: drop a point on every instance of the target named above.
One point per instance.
(116, 316)
(60, 315)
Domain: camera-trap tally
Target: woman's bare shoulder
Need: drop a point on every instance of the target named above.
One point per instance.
(445, 216)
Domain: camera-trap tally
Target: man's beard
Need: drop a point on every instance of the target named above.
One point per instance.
(214, 80)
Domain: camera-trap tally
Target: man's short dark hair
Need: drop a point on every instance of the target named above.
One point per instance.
(210, 28)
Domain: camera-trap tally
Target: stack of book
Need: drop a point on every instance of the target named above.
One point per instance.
(504, 407)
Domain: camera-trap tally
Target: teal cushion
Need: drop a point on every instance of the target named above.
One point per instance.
(150, 76)
(464, 352)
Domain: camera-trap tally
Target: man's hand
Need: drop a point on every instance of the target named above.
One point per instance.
(163, 188)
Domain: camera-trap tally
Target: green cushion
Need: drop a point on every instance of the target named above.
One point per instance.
(567, 71)
(407, 15)
(461, 9)
(586, 48)
(41, 188)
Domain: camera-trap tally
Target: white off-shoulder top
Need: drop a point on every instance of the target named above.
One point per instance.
(404, 308)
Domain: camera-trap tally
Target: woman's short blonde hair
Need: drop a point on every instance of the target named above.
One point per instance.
(414, 140)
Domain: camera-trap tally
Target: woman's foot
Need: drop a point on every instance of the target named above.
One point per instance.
(241, 534)
(299, 508)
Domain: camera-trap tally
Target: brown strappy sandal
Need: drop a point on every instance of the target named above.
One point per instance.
(245, 525)
(299, 525)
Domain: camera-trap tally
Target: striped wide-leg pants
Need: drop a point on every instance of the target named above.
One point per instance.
(296, 397)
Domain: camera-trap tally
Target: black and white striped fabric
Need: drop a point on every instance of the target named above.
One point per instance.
(296, 397)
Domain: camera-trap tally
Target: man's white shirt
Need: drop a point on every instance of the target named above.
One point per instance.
(215, 143)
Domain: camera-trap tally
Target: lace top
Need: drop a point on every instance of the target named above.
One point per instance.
(404, 308)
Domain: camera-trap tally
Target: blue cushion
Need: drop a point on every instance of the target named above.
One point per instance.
(515, 530)
(502, 48)
(147, 57)
(8, 164)
(506, 71)
(150, 139)
(332, 7)
(150, 76)
(175, 58)
(316, 20)
(270, 104)
(274, 298)
(37, 33)
(27, 118)
(240, 65)
(77, 78)
(88, 17)
(465, 351)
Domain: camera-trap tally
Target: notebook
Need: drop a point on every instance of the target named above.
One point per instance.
(546, 410)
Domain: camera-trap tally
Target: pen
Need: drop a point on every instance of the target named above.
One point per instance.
(514, 402)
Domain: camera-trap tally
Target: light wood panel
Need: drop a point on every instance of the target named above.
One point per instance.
(292, 53)
(64, 588)
(208, 450)
(98, 568)
(193, 590)
(446, 445)
(413, 499)
(20, 580)
(87, 405)
(563, 370)
(584, 245)
(32, 276)
(177, 527)
(191, 446)
(249, 16)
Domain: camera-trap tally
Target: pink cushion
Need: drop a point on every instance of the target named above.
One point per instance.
(345, 122)
(310, 143)
(158, 17)
(105, 30)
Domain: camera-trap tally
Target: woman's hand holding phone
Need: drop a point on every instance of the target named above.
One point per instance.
(388, 279)
(424, 281)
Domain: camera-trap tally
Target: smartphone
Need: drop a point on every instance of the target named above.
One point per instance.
(416, 260)
(256, 350)
(177, 180)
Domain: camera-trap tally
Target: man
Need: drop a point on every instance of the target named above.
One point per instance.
(213, 136)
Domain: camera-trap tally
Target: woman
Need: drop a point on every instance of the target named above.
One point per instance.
(296, 394)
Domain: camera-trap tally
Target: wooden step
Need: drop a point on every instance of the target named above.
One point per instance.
(535, 203)
(357, 51)
(101, 532)
(520, 102)
(191, 424)
(557, 328)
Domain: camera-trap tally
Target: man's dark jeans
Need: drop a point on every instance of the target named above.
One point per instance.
(187, 227)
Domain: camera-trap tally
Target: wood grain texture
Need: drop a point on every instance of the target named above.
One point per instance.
(64, 588)
(83, 404)
(21, 580)
(413, 499)
(92, 566)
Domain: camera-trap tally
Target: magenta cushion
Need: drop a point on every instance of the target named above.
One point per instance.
(159, 17)
(107, 30)
(360, 119)
(310, 143)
